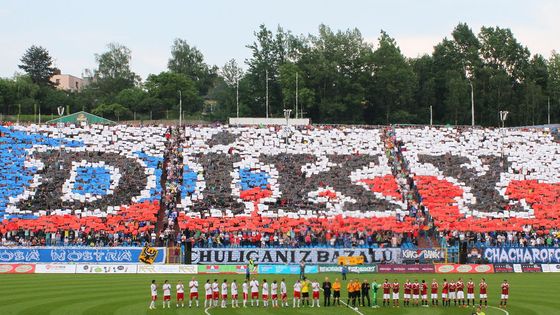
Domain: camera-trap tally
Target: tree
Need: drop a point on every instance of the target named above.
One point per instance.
(112, 111)
(231, 73)
(166, 86)
(189, 61)
(394, 82)
(113, 73)
(131, 98)
(37, 63)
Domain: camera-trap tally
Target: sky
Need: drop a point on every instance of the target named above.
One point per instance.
(74, 31)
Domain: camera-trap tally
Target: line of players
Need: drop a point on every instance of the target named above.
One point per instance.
(452, 291)
(417, 292)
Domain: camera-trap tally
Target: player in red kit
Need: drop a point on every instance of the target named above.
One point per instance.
(415, 293)
(460, 285)
(452, 293)
(386, 292)
(470, 292)
(434, 294)
(483, 286)
(396, 287)
(505, 294)
(444, 292)
(407, 286)
(424, 293)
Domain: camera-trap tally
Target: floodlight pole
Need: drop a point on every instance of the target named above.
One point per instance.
(472, 103)
(297, 86)
(237, 93)
(266, 93)
(431, 115)
(180, 108)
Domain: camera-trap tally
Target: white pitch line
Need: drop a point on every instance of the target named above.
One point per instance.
(354, 309)
(500, 309)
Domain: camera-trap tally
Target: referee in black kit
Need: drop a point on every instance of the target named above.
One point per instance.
(327, 291)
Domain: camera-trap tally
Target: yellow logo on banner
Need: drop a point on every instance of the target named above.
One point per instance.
(148, 255)
(351, 260)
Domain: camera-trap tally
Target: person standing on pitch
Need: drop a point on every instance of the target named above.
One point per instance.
(166, 294)
(327, 291)
(180, 293)
(315, 288)
(336, 292)
(153, 290)
(302, 270)
(344, 271)
(374, 287)
(193, 287)
(234, 298)
(365, 293)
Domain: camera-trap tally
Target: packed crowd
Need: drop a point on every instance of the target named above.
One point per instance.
(223, 186)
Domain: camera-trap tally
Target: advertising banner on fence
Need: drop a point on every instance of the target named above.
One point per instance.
(551, 268)
(179, 269)
(228, 269)
(457, 268)
(501, 268)
(351, 269)
(286, 269)
(273, 256)
(17, 268)
(530, 268)
(425, 268)
(522, 255)
(55, 268)
(99, 269)
(423, 254)
(101, 255)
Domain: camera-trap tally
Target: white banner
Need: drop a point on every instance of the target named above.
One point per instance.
(312, 256)
(123, 268)
(55, 268)
(551, 268)
(180, 269)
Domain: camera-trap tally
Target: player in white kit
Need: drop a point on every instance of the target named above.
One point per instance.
(245, 287)
(193, 287)
(180, 293)
(315, 286)
(297, 293)
(224, 293)
(254, 284)
(234, 301)
(284, 293)
(215, 292)
(265, 293)
(166, 294)
(153, 290)
(274, 293)
(208, 292)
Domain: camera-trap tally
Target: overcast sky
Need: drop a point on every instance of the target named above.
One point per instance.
(73, 31)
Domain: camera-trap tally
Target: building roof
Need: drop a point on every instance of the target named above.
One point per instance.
(80, 117)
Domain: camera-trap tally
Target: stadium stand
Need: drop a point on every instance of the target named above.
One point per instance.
(273, 186)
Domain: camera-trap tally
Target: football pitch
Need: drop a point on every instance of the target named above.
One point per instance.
(130, 294)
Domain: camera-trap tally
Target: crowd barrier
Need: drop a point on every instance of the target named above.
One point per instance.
(75, 255)
(319, 256)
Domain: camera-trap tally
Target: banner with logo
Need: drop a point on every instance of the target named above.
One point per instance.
(551, 267)
(99, 269)
(178, 269)
(148, 255)
(286, 269)
(273, 256)
(423, 268)
(521, 255)
(502, 268)
(423, 254)
(55, 268)
(223, 269)
(457, 268)
(101, 255)
(351, 269)
(529, 268)
(17, 268)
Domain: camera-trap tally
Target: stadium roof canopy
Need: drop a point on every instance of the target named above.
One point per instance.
(81, 117)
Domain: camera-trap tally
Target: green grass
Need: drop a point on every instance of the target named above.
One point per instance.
(129, 294)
